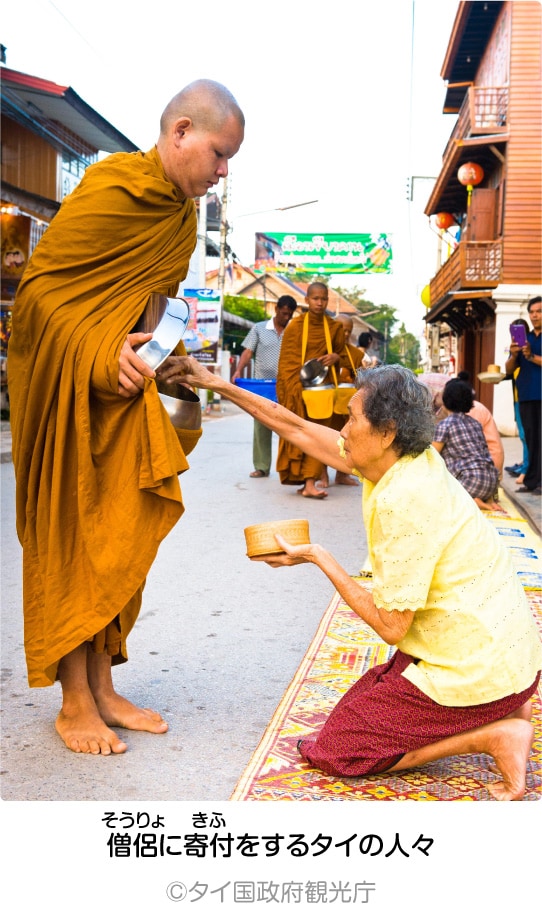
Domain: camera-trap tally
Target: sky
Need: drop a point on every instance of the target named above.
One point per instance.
(339, 109)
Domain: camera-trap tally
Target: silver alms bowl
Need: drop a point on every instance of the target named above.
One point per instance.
(182, 405)
(313, 372)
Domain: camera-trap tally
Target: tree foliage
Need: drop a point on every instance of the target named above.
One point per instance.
(399, 346)
(249, 308)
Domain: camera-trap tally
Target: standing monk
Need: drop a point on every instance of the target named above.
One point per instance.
(304, 340)
(96, 457)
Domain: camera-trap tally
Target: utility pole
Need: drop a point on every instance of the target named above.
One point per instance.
(223, 237)
(221, 284)
(202, 242)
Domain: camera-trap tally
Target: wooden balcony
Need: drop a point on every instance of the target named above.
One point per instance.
(483, 112)
(473, 265)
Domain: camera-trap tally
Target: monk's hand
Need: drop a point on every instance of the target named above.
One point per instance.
(185, 369)
(329, 360)
(132, 370)
(293, 555)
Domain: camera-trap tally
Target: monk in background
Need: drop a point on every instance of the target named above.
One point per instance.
(353, 355)
(294, 466)
(96, 457)
(350, 362)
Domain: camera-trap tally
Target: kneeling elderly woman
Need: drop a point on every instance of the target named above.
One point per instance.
(444, 593)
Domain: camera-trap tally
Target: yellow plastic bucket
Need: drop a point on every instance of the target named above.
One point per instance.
(319, 402)
(343, 394)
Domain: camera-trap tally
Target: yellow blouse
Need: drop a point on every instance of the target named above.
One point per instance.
(432, 551)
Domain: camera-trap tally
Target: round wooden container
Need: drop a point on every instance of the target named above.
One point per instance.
(260, 538)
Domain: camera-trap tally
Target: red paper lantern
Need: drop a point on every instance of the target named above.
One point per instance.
(444, 220)
(470, 174)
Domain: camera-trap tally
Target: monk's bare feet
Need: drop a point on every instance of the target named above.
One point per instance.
(84, 731)
(510, 746)
(345, 480)
(118, 711)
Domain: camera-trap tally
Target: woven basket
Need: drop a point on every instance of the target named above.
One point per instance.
(260, 538)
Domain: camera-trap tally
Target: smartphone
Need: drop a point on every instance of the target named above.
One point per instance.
(518, 334)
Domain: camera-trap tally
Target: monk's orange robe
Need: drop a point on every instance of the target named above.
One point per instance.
(96, 474)
(293, 465)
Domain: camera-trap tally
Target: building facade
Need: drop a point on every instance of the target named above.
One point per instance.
(489, 190)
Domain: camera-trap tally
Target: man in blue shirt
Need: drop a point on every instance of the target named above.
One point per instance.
(263, 341)
(529, 388)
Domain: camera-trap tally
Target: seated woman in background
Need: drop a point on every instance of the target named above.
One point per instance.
(491, 432)
(445, 592)
(365, 340)
(461, 442)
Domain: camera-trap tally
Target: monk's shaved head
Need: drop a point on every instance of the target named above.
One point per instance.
(207, 103)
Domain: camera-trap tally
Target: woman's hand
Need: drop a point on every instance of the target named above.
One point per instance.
(132, 369)
(293, 555)
(185, 370)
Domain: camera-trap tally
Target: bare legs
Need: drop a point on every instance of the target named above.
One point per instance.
(508, 741)
(90, 705)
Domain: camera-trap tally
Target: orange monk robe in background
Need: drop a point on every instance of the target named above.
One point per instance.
(96, 474)
(351, 361)
(293, 465)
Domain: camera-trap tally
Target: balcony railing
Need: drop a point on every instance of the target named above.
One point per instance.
(483, 112)
(473, 265)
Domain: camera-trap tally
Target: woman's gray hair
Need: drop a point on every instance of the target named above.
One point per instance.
(393, 398)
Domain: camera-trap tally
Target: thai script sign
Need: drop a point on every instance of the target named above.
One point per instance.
(202, 337)
(324, 253)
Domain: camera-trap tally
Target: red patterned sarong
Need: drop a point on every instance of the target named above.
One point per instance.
(383, 716)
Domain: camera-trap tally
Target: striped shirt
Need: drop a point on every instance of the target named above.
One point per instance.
(264, 343)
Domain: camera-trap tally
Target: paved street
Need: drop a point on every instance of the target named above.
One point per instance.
(215, 647)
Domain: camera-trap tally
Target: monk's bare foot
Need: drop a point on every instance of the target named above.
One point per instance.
(312, 493)
(345, 480)
(84, 731)
(323, 482)
(118, 711)
(510, 746)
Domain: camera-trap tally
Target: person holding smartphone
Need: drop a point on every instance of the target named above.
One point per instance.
(526, 359)
(520, 469)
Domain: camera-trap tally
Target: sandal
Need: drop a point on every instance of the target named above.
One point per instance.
(259, 473)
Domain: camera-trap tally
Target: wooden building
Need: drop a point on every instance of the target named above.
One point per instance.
(493, 73)
(49, 137)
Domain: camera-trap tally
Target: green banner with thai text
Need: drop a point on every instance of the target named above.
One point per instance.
(323, 253)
